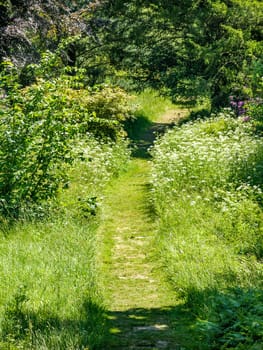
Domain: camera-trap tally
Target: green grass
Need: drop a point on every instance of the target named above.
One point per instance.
(149, 107)
(102, 264)
(152, 105)
(49, 268)
(49, 297)
(207, 190)
(132, 281)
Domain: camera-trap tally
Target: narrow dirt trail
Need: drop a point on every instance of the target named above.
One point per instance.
(139, 300)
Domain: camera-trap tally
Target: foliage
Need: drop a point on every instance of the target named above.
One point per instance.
(96, 163)
(207, 192)
(192, 48)
(51, 298)
(204, 155)
(38, 126)
(234, 322)
(29, 28)
(33, 144)
(255, 114)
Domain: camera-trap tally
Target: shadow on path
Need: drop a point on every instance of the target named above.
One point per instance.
(142, 133)
(146, 139)
(142, 329)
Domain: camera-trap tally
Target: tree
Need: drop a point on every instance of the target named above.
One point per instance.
(191, 47)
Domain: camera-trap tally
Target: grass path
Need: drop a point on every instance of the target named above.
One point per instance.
(139, 301)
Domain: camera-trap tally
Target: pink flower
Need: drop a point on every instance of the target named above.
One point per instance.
(246, 119)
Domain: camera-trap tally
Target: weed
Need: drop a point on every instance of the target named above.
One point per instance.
(207, 191)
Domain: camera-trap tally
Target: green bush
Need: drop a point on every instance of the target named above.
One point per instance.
(235, 321)
(34, 140)
(38, 128)
(255, 112)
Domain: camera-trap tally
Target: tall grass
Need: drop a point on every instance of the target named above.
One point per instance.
(151, 104)
(49, 297)
(207, 190)
(148, 106)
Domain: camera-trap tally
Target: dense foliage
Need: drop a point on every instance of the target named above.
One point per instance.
(207, 191)
(192, 48)
(39, 126)
(65, 69)
(189, 49)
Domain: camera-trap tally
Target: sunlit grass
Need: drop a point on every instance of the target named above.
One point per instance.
(152, 105)
(51, 265)
(207, 191)
(49, 296)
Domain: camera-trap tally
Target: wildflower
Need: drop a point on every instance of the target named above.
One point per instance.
(246, 119)
(241, 111)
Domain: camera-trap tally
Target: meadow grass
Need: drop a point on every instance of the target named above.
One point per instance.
(149, 105)
(152, 105)
(207, 191)
(50, 281)
(49, 297)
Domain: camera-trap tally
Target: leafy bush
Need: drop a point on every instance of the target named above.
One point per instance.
(255, 113)
(38, 126)
(34, 145)
(235, 321)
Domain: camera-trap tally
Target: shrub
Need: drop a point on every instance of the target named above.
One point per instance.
(34, 145)
(235, 321)
(255, 113)
(38, 126)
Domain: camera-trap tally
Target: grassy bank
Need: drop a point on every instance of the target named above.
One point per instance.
(49, 297)
(207, 190)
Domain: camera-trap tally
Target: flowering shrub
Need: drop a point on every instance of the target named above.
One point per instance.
(237, 105)
(250, 109)
(219, 162)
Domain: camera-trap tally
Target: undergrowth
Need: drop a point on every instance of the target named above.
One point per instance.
(207, 190)
(50, 298)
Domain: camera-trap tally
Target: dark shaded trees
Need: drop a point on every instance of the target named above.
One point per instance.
(205, 47)
(188, 49)
(29, 27)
